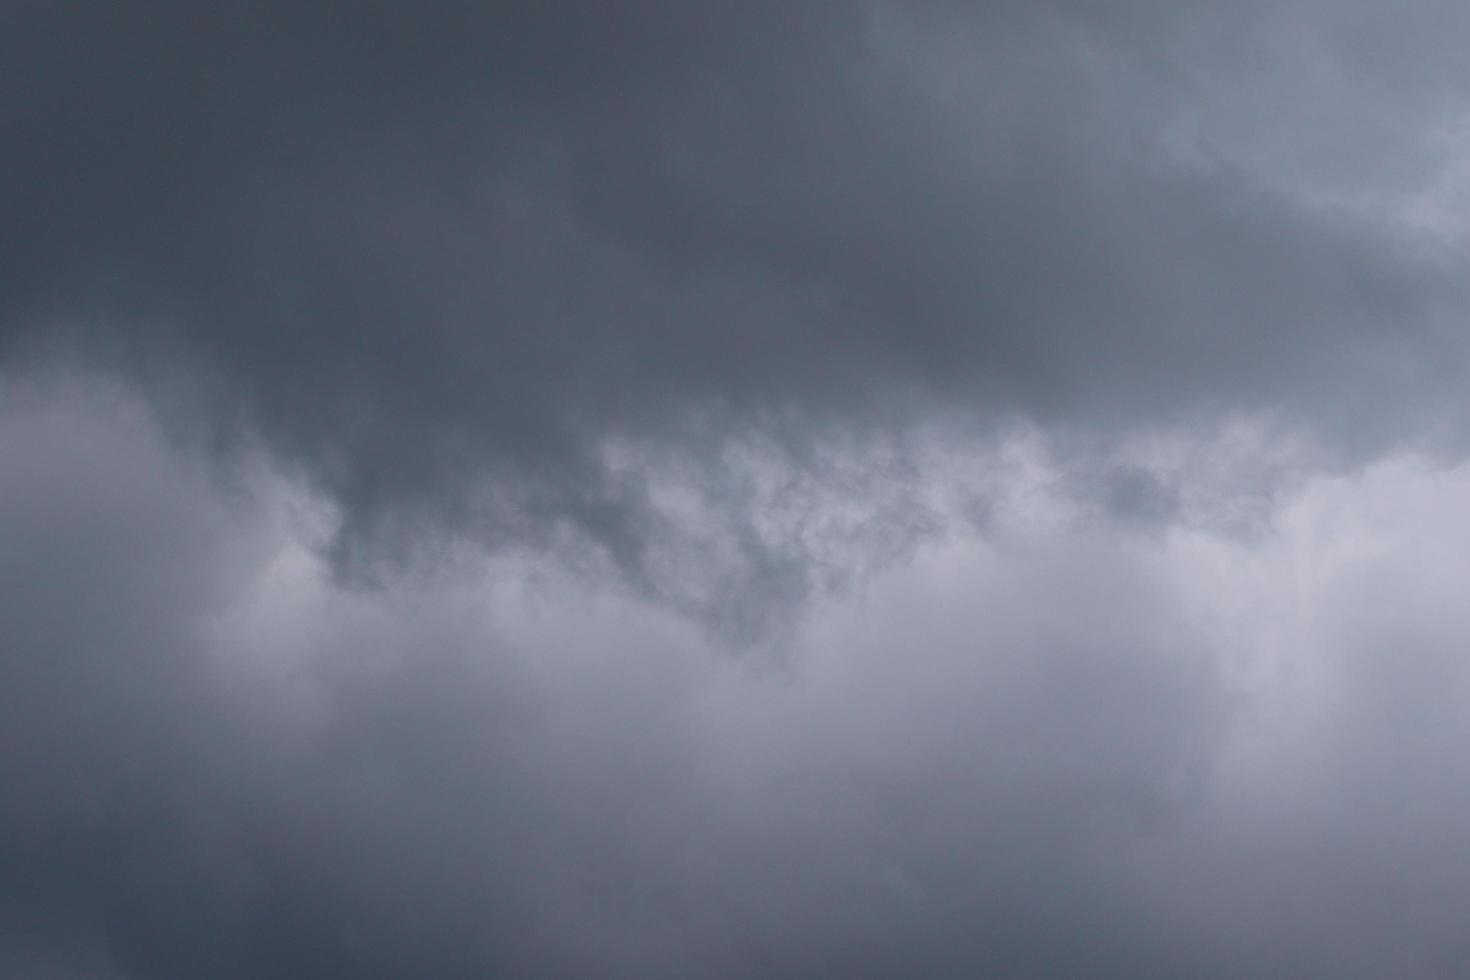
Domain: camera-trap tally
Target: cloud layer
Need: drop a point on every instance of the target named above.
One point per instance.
(850, 489)
(438, 259)
(1066, 746)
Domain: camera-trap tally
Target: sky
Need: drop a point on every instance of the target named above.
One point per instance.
(805, 489)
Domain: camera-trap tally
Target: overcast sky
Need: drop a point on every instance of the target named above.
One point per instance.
(868, 488)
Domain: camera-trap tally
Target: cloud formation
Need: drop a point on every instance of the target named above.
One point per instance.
(437, 259)
(1066, 746)
(830, 489)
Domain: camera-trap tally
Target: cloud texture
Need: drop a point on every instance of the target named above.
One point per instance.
(1063, 747)
(782, 489)
(416, 252)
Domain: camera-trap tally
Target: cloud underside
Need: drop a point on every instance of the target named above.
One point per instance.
(801, 490)
(419, 253)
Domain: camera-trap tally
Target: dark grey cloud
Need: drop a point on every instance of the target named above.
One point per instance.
(1086, 349)
(436, 258)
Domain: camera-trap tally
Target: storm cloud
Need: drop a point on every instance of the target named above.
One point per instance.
(849, 489)
(422, 252)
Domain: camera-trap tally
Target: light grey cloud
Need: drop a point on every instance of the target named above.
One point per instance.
(1069, 746)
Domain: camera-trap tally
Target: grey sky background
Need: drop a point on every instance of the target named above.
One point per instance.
(773, 489)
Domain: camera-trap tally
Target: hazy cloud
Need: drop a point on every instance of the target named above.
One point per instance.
(1067, 747)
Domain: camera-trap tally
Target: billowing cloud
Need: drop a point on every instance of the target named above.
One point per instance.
(1068, 745)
